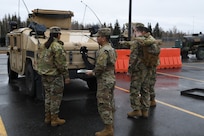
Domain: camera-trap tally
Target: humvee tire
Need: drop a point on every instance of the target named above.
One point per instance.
(30, 79)
(200, 53)
(184, 54)
(11, 74)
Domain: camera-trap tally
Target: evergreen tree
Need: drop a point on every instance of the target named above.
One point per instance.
(116, 30)
(149, 27)
(156, 31)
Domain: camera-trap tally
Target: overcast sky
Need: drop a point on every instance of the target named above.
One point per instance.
(186, 16)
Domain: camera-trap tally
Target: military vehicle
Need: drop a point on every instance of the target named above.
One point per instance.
(192, 44)
(122, 37)
(24, 45)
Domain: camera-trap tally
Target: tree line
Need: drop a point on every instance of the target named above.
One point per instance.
(156, 31)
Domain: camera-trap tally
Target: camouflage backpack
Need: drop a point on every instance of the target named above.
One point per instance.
(151, 55)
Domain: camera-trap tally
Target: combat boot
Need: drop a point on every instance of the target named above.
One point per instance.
(152, 103)
(55, 120)
(107, 131)
(47, 118)
(135, 113)
(145, 113)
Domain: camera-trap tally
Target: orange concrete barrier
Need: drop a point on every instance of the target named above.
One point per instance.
(169, 58)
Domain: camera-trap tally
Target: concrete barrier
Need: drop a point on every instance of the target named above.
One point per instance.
(169, 58)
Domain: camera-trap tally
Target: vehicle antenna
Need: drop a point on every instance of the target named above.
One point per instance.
(84, 14)
(92, 12)
(25, 6)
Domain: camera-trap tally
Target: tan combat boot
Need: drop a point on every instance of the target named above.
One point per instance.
(152, 103)
(107, 131)
(55, 120)
(135, 113)
(145, 113)
(47, 118)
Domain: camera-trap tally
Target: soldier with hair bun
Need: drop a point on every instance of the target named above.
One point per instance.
(53, 68)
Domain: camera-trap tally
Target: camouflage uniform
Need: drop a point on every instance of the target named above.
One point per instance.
(104, 72)
(150, 40)
(53, 68)
(140, 74)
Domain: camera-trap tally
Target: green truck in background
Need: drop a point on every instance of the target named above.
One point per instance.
(191, 44)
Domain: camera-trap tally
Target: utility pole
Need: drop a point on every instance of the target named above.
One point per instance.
(130, 20)
(0, 36)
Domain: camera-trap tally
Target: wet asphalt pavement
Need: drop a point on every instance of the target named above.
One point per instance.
(174, 115)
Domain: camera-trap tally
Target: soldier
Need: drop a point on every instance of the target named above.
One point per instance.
(104, 72)
(152, 84)
(153, 79)
(140, 65)
(53, 68)
(154, 48)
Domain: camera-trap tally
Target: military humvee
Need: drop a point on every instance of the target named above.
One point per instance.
(24, 45)
(192, 44)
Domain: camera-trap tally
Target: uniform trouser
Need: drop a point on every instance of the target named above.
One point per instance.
(152, 83)
(105, 101)
(139, 89)
(53, 86)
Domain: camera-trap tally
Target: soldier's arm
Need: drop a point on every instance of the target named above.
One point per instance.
(101, 63)
(126, 43)
(152, 41)
(60, 60)
(145, 41)
(133, 55)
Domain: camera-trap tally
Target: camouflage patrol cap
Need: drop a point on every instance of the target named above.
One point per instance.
(55, 29)
(139, 25)
(103, 32)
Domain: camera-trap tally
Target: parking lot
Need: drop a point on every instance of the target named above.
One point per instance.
(174, 115)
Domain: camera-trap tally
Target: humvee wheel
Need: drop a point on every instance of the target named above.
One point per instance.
(184, 54)
(200, 53)
(30, 79)
(11, 74)
(92, 84)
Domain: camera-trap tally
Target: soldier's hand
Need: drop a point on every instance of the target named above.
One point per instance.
(67, 80)
(89, 72)
(139, 40)
(121, 42)
(159, 42)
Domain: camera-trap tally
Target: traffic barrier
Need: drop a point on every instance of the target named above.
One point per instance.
(169, 58)
(122, 61)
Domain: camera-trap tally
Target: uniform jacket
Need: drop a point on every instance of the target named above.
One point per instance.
(105, 62)
(52, 61)
(139, 50)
